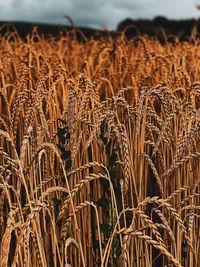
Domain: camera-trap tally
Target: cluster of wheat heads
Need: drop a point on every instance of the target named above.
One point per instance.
(99, 152)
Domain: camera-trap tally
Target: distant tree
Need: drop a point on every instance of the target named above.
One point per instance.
(161, 21)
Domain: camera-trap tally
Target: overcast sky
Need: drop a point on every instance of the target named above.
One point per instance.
(95, 13)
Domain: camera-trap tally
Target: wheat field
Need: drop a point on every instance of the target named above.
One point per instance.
(99, 151)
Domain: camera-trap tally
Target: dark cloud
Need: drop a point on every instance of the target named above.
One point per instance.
(94, 13)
